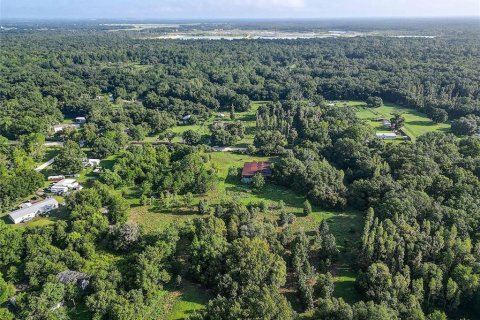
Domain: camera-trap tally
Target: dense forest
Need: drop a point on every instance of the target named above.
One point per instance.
(49, 73)
(418, 253)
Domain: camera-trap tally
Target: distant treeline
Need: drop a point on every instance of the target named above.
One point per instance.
(45, 72)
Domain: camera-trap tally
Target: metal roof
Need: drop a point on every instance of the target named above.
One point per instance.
(386, 134)
(34, 208)
(250, 168)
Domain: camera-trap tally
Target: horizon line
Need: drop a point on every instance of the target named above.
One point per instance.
(3, 19)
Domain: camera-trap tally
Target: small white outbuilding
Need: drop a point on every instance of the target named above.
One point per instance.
(91, 162)
(80, 120)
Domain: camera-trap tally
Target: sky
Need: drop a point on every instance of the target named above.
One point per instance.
(234, 9)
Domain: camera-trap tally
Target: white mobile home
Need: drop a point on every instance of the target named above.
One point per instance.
(34, 210)
(386, 135)
(55, 178)
(64, 185)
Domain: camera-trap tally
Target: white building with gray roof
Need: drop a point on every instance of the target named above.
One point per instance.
(28, 213)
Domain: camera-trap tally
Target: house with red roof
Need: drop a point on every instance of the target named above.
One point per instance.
(250, 168)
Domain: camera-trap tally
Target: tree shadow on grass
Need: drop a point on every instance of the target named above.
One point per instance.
(345, 282)
(173, 211)
(239, 189)
(248, 117)
(108, 163)
(250, 130)
(346, 290)
(423, 123)
(6, 219)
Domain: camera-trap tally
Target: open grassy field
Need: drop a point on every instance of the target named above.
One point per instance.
(416, 123)
(186, 299)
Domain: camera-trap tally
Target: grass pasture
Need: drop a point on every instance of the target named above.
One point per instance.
(416, 123)
(186, 300)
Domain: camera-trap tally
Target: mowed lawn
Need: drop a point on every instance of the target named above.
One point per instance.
(187, 299)
(416, 123)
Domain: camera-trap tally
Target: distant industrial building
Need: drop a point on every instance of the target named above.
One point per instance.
(30, 212)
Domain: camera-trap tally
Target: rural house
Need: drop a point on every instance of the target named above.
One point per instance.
(64, 185)
(28, 213)
(386, 135)
(250, 168)
(387, 124)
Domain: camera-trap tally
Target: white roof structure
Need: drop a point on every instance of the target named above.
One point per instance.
(35, 209)
(55, 178)
(386, 135)
(65, 182)
(80, 119)
(187, 117)
(64, 185)
(25, 205)
(93, 162)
